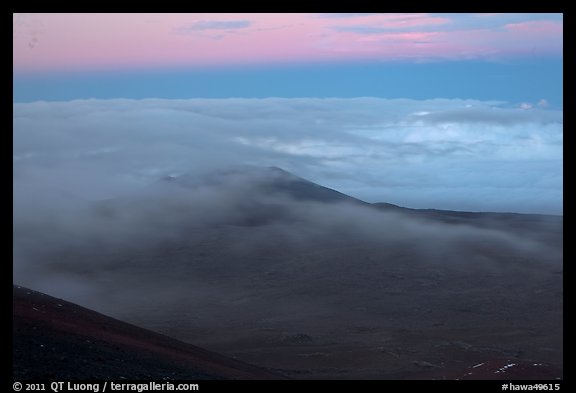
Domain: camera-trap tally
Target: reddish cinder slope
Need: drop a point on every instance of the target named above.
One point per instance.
(56, 339)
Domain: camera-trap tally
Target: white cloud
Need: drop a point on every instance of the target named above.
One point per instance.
(453, 154)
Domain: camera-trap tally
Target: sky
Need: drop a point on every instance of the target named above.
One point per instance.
(480, 56)
(453, 111)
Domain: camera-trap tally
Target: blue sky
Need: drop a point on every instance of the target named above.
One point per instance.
(512, 81)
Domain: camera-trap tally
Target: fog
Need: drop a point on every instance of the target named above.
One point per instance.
(221, 232)
(174, 215)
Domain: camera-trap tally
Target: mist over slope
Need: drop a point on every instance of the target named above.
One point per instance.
(305, 277)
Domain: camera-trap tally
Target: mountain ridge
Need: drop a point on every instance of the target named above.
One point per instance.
(276, 179)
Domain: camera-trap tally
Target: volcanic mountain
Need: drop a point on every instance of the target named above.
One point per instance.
(276, 183)
(261, 265)
(265, 181)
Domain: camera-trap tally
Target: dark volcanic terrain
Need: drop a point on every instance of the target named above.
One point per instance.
(282, 273)
(56, 339)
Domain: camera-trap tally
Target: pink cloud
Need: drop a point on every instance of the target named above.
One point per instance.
(93, 41)
(537, 27)
(394, 21)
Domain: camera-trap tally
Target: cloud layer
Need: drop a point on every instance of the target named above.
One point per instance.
(449, 154)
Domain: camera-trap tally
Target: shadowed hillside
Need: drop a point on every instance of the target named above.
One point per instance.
(56, 339)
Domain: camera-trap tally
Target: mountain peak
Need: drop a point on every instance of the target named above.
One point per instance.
(271, 180)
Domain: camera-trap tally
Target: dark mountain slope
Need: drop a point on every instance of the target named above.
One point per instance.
(267, 181)
(55, 339)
